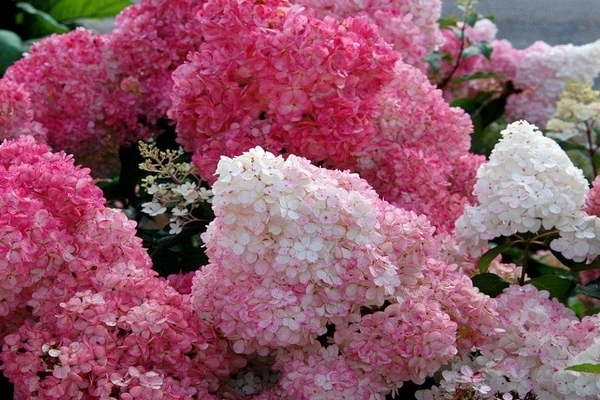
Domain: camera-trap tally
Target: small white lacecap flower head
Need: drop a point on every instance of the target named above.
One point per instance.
(153, 209)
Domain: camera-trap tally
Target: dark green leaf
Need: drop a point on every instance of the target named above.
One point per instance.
(470, 105)
(69, 10)
(38, 23)
(556, 285)
(184, 236)
(492, 111)
(578, 267)
(193, 259)
(586, 367)
(472, 18)
(481, 48)
(488, 256)
(11, 49)
(490, 284)
(582, 160)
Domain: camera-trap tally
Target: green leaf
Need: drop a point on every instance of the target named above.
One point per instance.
(37, 23)
(448, 22)
(578, 267)
(492, 111)
(556, 285)
(481, 48)
(69, 10)
(485, 48)
(433, 59)
(490, 284)
(488, 256)
(577, 305)
(472, 18)
(586, 367)
(472, 105)
(11, 49)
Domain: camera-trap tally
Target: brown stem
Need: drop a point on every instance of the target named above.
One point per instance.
(446, 80)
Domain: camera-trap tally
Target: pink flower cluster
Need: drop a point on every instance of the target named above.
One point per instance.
(82, 313)
(95, 92)
(72, 96)
(295, 250)
(16, 114)
(64, 77)
(419, 156)
(409, 25)
(271, 74)
(46, 202)
(536, 339)
(150, 40)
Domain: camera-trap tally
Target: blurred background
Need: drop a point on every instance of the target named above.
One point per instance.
(522, 22)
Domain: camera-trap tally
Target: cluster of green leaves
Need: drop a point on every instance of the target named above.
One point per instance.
(22, 23)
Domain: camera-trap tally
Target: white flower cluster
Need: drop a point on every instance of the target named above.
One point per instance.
(545, 69)
(577, 116)
(530, 185)
(174, 187)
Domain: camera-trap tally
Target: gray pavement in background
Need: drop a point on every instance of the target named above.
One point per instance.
(522, 22)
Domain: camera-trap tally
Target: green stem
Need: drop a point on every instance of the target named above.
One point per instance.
(526, 244)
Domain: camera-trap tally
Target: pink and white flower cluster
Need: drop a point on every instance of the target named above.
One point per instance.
(315, 287)
(536, 339)
(341, 99)
(296, 250)
(82, 312)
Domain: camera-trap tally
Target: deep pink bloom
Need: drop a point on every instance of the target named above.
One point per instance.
(150, 40)
(271, 74)
(418, 158)
(71, 95)
(16, 114)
